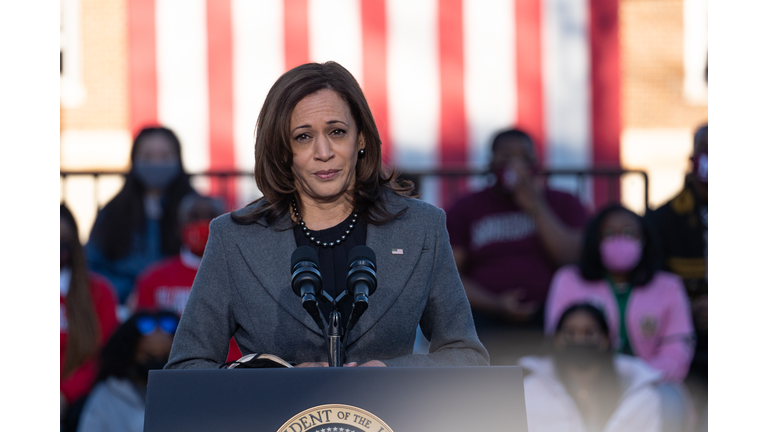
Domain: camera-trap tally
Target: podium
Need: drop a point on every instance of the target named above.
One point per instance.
(337, 400)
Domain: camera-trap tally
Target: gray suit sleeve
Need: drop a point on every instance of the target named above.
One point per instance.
(207, 324)
(447, 318)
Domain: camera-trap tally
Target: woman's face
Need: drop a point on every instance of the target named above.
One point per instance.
(325, 145)
(620, 223)
(580, 328)
(155, 148)
(156, 345)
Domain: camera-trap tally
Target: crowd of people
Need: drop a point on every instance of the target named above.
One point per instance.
(529, 255)
(606, 311)
(123, 293)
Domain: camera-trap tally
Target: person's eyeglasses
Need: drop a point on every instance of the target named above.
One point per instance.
(147, 325)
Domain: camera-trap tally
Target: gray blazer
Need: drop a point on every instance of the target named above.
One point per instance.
(243, 288)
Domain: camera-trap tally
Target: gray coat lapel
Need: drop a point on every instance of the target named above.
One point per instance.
(268, 255)
(267, 252)
(392, 270)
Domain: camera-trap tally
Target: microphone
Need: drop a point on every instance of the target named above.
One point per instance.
(361, 281)
(306, 281)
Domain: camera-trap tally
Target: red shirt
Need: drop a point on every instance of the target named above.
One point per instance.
(79, 382)
(504, 249)
(166, 285)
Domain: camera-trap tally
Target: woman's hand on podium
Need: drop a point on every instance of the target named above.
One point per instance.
(313, 364)
(372, 363)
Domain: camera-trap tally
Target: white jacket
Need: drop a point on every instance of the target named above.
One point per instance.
(549, 407)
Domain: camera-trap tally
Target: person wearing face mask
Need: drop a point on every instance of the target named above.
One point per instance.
(583, 386)
(166, 285)
(139, 226)
(142, 343)
(682, 225)
(87, 319)
(646, 308)
(507, 241)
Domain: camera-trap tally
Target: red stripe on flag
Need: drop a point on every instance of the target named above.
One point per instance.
(296, 27)
(606, 103)
(220, 103)
(530, 93)
(453, 124)
(374, 23)
(142, 65)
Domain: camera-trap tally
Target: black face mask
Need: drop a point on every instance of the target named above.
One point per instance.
(65, 253)
(142, 369)
(581, 356)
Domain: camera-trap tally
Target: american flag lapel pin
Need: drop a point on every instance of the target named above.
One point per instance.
(397, 251)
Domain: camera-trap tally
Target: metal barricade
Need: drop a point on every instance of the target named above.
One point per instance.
(223, 182)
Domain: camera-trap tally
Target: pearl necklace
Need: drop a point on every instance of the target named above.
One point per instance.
(313, 239)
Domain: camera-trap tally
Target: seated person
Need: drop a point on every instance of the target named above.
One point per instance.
(508, 240)
(87, 319)
(682, 225)
(584, 386)
(138, 227)
(166, 285)
(140, 344)
(646, 309)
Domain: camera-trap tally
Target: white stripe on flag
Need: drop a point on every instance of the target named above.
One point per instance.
(335, 33)
(490, 74)
(182, 78)
(567, 101)
(259, 60)
(414, 88)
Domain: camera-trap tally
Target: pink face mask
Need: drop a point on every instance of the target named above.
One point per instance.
(620, 254)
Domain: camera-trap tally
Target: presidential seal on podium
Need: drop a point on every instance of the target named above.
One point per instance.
(334, 418)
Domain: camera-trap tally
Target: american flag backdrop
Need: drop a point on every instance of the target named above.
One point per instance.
(440, 76)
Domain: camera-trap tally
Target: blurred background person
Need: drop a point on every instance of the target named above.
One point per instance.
(139, 226)
(682, 223)
(142, 343)
(166, 285)
(584, 386)
(87, 319)
(508, 240)
(646, 308)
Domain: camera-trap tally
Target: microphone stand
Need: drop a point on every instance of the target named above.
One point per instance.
(335, 334)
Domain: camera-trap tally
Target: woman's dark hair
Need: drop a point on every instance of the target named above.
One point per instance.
(84, 333)
(117, 356)
(593, 312)
(118, 222)
(273, 169)
(590, 262)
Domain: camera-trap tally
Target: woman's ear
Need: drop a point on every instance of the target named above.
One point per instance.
(360, 141)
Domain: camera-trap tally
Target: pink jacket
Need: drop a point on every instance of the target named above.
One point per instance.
(658, 317)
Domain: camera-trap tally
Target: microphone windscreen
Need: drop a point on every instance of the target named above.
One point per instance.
(304, 253)
(362, 252)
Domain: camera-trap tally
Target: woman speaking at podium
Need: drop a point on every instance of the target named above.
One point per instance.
(319, 167)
